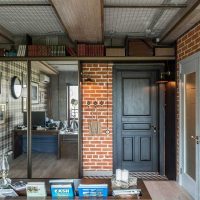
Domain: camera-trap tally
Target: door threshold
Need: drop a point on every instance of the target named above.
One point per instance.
(151, 176)
(147, 176)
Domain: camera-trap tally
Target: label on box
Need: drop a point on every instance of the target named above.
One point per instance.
(64, 190)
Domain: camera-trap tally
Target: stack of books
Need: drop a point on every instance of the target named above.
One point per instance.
(62, 188)
(93, 190)
(126, 192)
(2, 52)
(70, 51)
(90, 50)
(45, 50)
(21, 50)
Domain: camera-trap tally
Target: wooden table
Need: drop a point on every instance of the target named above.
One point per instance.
(141, 185)
(17, 140)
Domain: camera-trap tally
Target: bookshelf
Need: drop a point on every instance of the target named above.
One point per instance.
(91, 59)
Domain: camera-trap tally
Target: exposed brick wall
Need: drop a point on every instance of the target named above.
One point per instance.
(97, 148)
(187, 45)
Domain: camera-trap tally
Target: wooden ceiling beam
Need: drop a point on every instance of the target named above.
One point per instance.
(6, 35)
(49, 68)
(102, 17)
(61, 21)
(23, 4)
(82, 19)
(178, 20)
(166, 6)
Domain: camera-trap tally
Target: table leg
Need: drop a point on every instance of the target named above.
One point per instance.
(59, 146)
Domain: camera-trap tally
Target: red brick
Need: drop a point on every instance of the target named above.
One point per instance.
(97, 91)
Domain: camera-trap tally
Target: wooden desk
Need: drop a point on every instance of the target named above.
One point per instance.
(17, 140)
(141, 185)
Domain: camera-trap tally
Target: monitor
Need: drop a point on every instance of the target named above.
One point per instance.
(38, 118)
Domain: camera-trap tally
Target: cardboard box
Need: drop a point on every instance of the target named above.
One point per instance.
(164, 51)
(115, 51)
(139, 48)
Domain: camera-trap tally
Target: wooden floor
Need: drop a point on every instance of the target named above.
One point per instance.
(166, 190)
(44, 165)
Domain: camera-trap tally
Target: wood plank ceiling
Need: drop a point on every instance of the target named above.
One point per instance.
(82, 19)
(92, 20)
(185, 21)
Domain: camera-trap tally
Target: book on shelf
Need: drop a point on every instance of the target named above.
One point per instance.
(122, 192)
(70, 51)
(46, 50)
(93, 190)
(90, 49)
(62, 188)
(2, 52)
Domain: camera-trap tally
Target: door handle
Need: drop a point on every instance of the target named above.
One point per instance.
(154, 128)
(196, 138)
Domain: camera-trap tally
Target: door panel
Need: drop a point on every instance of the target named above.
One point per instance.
(137, 91)
(145, 148)
(128, 148)
(137, 143)
(190, 124)
(189, 127)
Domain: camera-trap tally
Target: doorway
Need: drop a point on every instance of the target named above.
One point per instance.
(138, 142)
(189, 125)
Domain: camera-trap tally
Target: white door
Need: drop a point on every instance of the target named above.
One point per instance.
(189, 126)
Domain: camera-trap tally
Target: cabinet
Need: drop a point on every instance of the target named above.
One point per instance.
(69, 146)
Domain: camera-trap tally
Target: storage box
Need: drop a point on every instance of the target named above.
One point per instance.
(62, 188)
(115, 51)
(93, 190)
(164, 51)
(139, 47)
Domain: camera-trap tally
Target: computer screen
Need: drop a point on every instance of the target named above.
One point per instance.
(38, 118)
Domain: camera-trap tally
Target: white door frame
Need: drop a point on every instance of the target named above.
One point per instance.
(189, 65)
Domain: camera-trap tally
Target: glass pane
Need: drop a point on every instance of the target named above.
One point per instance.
(73, 101)
(190, 119)
(12, 118)
(54, 147)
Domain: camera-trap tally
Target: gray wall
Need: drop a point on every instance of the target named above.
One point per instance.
(59, 93)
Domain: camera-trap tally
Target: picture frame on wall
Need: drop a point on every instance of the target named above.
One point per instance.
(42, 97)
(34, 92)
(24, 109)
(24, 80)
(2, 113)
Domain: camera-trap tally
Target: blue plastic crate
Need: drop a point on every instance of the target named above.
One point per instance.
(62, 190)
(93, 191)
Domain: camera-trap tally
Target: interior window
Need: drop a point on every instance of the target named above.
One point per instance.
(72, 107)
